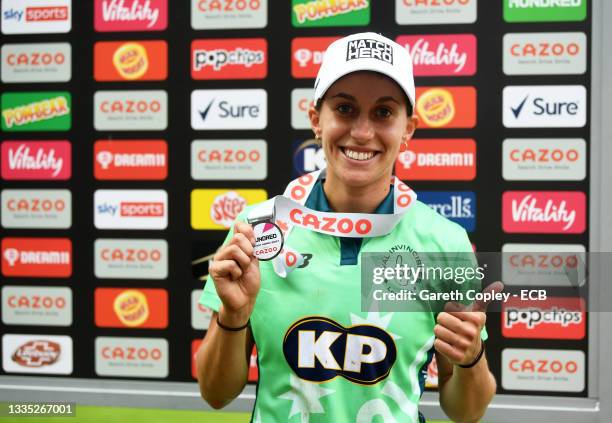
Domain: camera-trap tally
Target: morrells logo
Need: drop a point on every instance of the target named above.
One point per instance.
(544, 212)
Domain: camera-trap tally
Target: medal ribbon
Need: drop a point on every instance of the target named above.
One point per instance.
(288, 210)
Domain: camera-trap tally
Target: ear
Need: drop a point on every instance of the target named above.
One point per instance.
(411, 126)
(313, 115)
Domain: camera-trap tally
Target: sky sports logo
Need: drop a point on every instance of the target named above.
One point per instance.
(36, 306)
(545, 53)
(229, 109)
(37, 257)
(308, 156)
(544, 212)
(36, 160)
(131, 258)
(45, 62)
(237, 58)
(132, 357)
(130, 209)
(441, 55)
(131, 160)
(544, 159)
(544, 106)
(36, 16)
(457, 206)
(543, 370)
(420, 12)
(437, 159)
(130, 15)
(131, 110)
(229, 14)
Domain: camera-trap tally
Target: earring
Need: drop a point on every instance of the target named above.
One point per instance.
(403, 147)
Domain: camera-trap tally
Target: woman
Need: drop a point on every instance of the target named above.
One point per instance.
(320, 358)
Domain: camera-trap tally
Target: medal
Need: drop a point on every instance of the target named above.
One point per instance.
(268, 240)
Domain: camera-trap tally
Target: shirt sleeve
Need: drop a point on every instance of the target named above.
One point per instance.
(209, 297)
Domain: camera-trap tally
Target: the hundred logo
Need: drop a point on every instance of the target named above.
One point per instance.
(36, 111)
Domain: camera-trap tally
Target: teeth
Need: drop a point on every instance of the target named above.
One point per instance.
(358, 155)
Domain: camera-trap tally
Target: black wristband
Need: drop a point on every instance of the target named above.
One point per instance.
(230, 329)
(476, 360)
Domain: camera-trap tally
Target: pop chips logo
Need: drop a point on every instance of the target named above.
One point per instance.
(239, 58)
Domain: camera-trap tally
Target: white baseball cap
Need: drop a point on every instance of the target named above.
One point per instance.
(366, 51)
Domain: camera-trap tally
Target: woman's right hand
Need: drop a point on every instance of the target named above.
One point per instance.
(236, 274)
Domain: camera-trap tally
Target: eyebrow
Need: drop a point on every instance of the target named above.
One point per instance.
(352, 98)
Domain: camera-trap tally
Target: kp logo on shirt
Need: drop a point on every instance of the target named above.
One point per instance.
(218, 208)
(459, 206)
(131, 308)
(419, 12)
(308, 156)
(130, 61)
(45, 62)
(544, 106)
(131, 110)
(307, 55)
(130, 15)
(237, 58)
(441, 55)
(229, 109)
(131, 160)
(438, 159)
(553, 318)
(446, 107)
(544, 212)
(545, 53)
(36, 160)
(37, 257)
(130, 209)
(36, 16)
(229, 14)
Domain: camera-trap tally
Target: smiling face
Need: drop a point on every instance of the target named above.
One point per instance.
(362, 121)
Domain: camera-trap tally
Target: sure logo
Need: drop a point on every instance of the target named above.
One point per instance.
(420, 12)
(229, 109)
(44, 62)
(438, 159)
(234, 58)
(539, 106)
(318, 349)
(545, 53)
(441, 55)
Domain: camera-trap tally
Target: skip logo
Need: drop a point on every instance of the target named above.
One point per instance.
(229, 109)
(318, 349)
(544, 106)
(369, 49)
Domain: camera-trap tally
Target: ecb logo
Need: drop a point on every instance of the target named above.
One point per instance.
(318, 349)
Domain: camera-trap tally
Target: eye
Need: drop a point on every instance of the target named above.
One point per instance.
(383, 112)
(344, 108)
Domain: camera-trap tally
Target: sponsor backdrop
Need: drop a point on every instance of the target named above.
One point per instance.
(132, 134)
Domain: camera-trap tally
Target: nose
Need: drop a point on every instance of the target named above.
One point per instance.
(362, 128)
